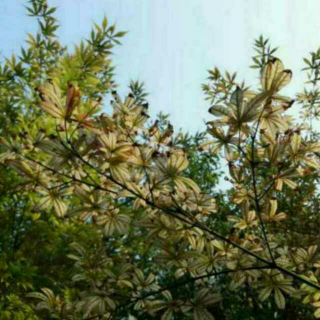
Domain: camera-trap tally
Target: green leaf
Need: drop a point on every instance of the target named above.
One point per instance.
(279, 298)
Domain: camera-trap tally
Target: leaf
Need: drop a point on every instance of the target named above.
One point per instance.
(60, 207)
(37, 295)
(167, 315)
(295, 143)
(49, 293)
(290, 183)
(114, 222)
(73, 99)
(312, 250)
(254, 103)
(167, 295)
(273, 207)
(274, 77)
(279, 298)
(311, 163)
(52, 109)
(317, 313)
(201, 313)
(110, 303)
(265, 293)
(188, 182)
(237, 100)
(218, 111)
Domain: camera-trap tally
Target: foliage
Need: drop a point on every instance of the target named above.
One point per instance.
(34, 247)
(126, 214)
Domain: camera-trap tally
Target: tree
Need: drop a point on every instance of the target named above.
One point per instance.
(132, 229)
(33, 247)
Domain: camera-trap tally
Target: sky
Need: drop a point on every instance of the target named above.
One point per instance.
(171, 44)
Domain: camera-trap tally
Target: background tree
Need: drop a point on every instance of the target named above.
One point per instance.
(33, 247)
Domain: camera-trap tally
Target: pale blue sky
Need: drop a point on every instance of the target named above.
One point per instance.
(172, 43)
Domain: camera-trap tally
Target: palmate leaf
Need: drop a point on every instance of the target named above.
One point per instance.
(177, 163)
(53, 198)
(223, 140)
(99, 302)
(49, 293)
(278, 296)
(242, 195)
(182, 182)
(203, 264)
(120, 172)
(94, 203)
(169, 305)
(52, 109)
(250, 110)
(114, 222)
(274, 77)
(279, 184)
(305, 256)
(243, 108)
(109, 141)
(172, 166)
(276, 283)
(273, 122)
(249, 220)
(52, 101)
(49, 300)
(238, 98)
